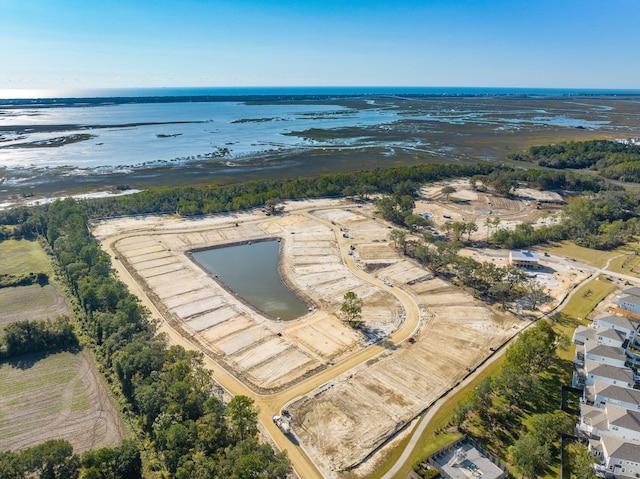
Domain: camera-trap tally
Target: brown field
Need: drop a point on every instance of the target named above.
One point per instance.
(60, 396)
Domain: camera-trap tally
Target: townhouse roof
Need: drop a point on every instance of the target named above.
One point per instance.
(613, 391)
(590, 333)
(611, 352)
(596, 417)
(608, 371)
(621, 448)
(632, 290)
(618, 320)
(622, 417)
(627, 298)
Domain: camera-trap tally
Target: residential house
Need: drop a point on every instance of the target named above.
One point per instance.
(600, 335)
(619, 323)
(600, 393)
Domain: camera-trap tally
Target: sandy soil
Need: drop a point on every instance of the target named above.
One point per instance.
(329, 247)
(61, 396)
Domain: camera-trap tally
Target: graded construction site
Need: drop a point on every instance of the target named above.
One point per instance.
(347, 391)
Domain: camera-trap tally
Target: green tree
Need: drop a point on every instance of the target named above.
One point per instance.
(537, 294)
(530, 456)
(395, 208)
(581, 461)
(351, 308)
(534, 350)
(399, 239)
(242, 418)
(447, 190)
(52, 459)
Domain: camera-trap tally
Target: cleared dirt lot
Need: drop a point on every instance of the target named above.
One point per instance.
(329, 247)
(60, 396)
(269, 355)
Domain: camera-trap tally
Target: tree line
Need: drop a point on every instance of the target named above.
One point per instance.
(495, 409)
(12, 280)
(37, 336)
(603, 221)
(610, 159)
(54, 459)
(169, 394)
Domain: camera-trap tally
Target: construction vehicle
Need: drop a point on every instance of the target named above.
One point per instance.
(283, 423)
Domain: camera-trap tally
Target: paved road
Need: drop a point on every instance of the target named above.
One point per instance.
(426, 419)
(271, 404)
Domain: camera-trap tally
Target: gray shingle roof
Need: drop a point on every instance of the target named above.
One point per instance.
(622, 417)
(621, 448)
(611, 352)
(608, 371)
(617, 393)
(617, 320)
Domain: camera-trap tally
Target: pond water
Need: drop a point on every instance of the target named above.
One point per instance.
(251, 271)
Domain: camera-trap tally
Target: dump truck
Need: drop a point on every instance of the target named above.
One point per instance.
(283, 423)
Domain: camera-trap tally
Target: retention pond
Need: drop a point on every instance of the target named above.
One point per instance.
(251, 271)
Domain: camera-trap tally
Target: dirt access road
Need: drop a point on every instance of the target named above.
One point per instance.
(270, 404)
(349, 394)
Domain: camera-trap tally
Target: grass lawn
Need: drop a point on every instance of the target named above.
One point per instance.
(433, 439)
(586, 255)
(22, 257)
(34, 301)
(626, 264)
(580, 305)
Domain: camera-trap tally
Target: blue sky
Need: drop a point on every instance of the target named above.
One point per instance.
(144, 43)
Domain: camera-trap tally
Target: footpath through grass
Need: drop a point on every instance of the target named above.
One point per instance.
(434, 437)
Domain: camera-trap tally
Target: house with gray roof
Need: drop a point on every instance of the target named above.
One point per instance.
(615, 420)
(595, 371)
(600, 393)
(629, 302)
(620, 457)
(632, 291)
(604, 354)
(600, 335)
(617, 322)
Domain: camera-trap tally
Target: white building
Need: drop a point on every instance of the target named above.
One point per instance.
(629, 302)
(600, 393)
(595, 371)
(600, 335)
(603, 354)
(524, 258)
(617, 322)
(620, 457)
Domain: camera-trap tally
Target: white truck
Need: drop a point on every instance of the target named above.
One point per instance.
(283, 423)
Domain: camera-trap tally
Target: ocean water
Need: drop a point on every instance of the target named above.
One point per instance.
(121, 130)
(132, 135)
(312, 90)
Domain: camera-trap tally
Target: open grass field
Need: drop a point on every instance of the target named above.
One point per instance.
(22, 257)
(60, 396)
(28, 302)
(31, 302)
(586, 255)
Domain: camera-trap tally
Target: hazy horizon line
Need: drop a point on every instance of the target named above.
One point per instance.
(98, 92)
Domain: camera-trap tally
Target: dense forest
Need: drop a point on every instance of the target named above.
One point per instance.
(610, 159)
